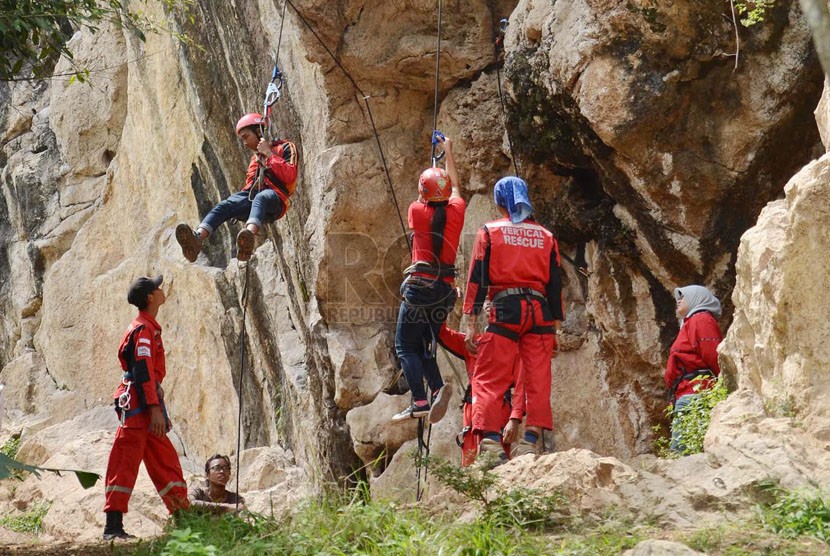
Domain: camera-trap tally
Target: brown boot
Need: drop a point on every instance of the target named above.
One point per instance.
(190, 242)
(490, 454)
(245, 241)
(522, 448)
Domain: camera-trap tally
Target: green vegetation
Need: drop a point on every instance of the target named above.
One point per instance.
(522, 508)
(330, 527)
(33, 33)
(794, 514)
(11, 446)
(753, 11)
(28, 522)
(746, 538)
(692, 422)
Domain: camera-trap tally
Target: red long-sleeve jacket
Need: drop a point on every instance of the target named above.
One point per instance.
(695, 348)
(143, 346)
(507, 255)
(281, 170)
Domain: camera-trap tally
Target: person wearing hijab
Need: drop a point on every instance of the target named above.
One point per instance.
(694, 353)
(515, 264)
(436, 219)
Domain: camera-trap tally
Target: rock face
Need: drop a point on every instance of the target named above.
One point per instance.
(638, 138)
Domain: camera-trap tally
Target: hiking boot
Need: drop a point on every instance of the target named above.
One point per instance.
(440, 403)
(190, 241)
(245, 241)
(114, 528)
(412, 412)
(522, 448)
(117, 535)
(490, 454)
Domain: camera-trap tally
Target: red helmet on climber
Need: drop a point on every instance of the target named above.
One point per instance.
(248, 120)
(434, 185)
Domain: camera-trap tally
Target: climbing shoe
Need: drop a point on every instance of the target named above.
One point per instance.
(190, 242)
(245, 242)
(522, 448)
(440, 403)
(412, 412)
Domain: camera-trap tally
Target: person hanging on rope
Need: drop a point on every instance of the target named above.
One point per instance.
(269, 183)
(139, 403)
(515, 263)
(455, 343)
(428, 291)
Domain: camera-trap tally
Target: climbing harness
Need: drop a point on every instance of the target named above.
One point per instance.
(123, 401)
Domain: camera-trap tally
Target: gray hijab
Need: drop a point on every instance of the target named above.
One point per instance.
(698, 299)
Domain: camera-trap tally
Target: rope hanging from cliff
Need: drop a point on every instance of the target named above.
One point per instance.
(499, 48)
(435, 131)
(365, 98)
(241, 374)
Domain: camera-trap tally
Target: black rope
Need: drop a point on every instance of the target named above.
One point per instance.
(422, 458)
(241, 374)
(365, 98)
(279, 39)
(437, 72)
(498, 46)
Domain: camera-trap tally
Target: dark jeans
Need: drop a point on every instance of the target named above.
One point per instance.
(265, 208)
(424, 310)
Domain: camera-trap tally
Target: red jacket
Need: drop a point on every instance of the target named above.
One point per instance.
(146, 350)
(695, 348)
(507, 255)
(281, 169)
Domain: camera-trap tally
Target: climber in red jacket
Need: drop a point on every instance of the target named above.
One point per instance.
(511, 409)
(269, 183)
(515, 263)
(694, 354)
(139, 403)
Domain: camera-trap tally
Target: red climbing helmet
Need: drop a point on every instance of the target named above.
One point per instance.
(249, 120)
(434, 185)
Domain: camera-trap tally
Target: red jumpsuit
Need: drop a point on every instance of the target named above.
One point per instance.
(134, 443)
(280, 171)
(517, 267)
(453, 341)
(695, 348)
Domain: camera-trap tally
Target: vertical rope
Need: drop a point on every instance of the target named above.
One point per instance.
(504, 122)
(241, 374)
(437, 73)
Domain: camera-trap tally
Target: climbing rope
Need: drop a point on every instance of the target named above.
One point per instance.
(579, 263)
(242, 340)
(499, 47)
(435, 131)
(365, 98)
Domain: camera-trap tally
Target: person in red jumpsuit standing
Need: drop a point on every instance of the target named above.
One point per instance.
(515, 263)
(276, 165)
(694, 354)
(512, 406)
(139, 403)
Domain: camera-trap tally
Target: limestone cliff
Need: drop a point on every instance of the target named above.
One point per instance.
(636, 132)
